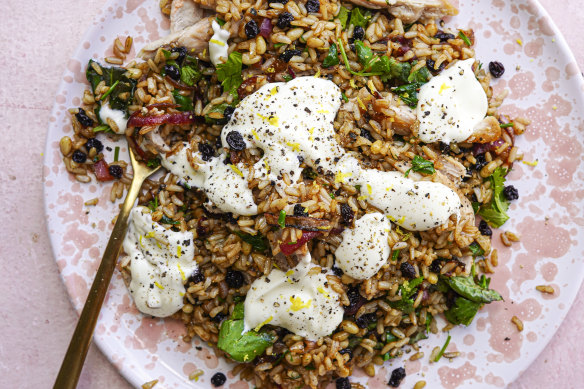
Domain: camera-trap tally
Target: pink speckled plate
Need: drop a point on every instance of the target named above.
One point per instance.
(545, 85)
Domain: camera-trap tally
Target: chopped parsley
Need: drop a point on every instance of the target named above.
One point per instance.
(421, 165)
(463, 36)
(185, 103)
(282, 219)
(443, 349)
(407, 291)
(332, 57)
(506, 125)
(116, 153)
(257, 242)
(229, 73)
(360, 17)
(343, 16)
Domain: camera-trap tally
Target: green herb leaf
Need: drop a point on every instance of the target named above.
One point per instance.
(154, 162)
(407, 291)
(421, 165)
(153, 204)
(364, 53)
(229, 73)
(506, 125)
(102, 128)
(443, 349)
(332, 57)
(116, 153)
(185, 103)
(242, 347)
(408, 93)
(345, 98)
(360, 17)
(220, 21)
(166, 220)
(166, 53)
(287, 77)
(466, 287)
(494, 212)
(257, 242)
(476, 249)
(189, 74)
(463, 36)
(475, 206)
(343, 16)
(462, 312)
(419, 336)
(395, 255)
(238, 309)
(282, 219)
(420, 75)
(216, 108)
(122, 87)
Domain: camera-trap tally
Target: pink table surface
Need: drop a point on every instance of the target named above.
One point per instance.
(37, 318)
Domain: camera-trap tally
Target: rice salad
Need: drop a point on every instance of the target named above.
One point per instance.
(332, 174)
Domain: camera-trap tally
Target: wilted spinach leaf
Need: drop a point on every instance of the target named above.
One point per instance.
(122, 93)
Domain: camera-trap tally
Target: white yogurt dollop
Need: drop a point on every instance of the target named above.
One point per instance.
(118, 117)
(364, 249)
(161, 260)
(301, 303)
(218, 47)
(226, 186)
(294, 121)
(451, 105)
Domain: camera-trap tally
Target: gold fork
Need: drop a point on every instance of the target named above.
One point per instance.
(81, 339)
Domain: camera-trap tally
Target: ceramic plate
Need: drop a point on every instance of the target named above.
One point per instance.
(545, 86)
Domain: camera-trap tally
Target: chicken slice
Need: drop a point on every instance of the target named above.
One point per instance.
(487, 130)
(411, 10)
(194, 38)
(183, 14)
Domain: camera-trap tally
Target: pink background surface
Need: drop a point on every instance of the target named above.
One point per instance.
(37, 317)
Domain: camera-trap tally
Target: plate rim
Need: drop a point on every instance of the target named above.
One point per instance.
(132, 376)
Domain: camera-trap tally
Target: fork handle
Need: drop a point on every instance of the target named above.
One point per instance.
(81, 339)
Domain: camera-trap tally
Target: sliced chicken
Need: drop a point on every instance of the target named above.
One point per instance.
(411, 10)
(183, 14)
(452, 169)
(195, 38)
(488, 130)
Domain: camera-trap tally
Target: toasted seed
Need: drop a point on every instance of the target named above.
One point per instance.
(65, 145)
(420, 385)
(545, 289)
(518, 323)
